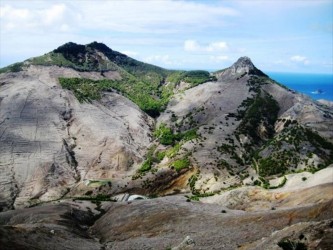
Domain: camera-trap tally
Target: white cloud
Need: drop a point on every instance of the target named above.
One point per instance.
(129, 53)
(54, 17)
(158, 16)
(53, 14)
(191, 45)
(217, 46)
(218, 59)
(194, 46)
(300, 59)
(159, 59)
(279, 61)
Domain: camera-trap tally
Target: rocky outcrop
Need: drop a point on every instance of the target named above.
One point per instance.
(50, 143)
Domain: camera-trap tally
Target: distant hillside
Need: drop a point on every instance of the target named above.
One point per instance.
(143, 83)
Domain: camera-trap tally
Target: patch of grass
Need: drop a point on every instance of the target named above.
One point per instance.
(83, 89)
(172, 152)
(146, 166)
(197, 196)
(98, 183)
(148, 163)
(166, 136)
(139, 92)
(160, 156)
(181, 164)
(16, 67)
(192, 180)
(283, 182)
(194, 77)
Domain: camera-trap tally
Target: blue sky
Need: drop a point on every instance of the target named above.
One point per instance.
(278, 35)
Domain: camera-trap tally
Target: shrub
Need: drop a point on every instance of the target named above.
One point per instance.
(181, 164)
(270, 166)
(146, 166)
(160, 156)
(165, 135)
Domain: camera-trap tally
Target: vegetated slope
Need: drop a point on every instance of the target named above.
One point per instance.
(149, 86)
(248, 129)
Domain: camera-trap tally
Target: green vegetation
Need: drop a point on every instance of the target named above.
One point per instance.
(160, 156)
(283, 182)
(172, 152)
(98, 183)
(16, 67)
(141, 82)
(139, 92)
(192, 180)
(255, 83)
(146, 166)
(318, 141)
(194, 77)
(166, 136)
(83, 89)
(262, 110)
(197, 196)
(295, 145)
(231, 150)
(181, 164)
(271, 166)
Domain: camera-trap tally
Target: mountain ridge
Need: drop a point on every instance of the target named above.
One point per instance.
(83, 124)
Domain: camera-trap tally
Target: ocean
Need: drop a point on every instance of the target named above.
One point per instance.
(317, 86)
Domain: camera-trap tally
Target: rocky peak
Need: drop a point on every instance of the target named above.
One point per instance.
(242, 66)
(245, 65)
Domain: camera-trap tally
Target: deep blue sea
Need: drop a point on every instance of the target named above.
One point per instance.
(317, 86)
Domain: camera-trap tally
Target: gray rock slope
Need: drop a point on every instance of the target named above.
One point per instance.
(230, 115)
(50, 143)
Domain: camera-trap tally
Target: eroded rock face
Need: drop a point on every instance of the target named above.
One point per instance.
(242, 111)
(50, 142)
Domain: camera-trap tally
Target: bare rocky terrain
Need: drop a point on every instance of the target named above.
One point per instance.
(51, 144)
(222, 160)
(164, 223)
